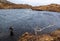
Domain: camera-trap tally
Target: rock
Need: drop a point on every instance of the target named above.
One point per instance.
(54, 36)
(26, 37)
(30, 37)
(56, 33)
(46, 37)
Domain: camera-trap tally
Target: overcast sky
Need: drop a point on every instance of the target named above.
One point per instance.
(35, 2)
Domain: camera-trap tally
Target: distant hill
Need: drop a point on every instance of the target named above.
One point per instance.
(8, 5)
(4, 4)
(51, 7)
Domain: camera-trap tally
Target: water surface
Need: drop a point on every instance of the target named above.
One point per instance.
(25, 20)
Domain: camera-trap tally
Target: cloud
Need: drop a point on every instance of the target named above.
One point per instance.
(35, 2)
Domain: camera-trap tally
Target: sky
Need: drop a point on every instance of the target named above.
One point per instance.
(35, 2)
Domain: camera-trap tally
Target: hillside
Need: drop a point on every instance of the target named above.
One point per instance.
(13, 6)
(51, 7)
(9, 5)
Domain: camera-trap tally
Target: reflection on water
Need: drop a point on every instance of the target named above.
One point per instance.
(26, 19)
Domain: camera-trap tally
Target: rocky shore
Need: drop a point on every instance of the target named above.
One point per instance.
(53, 36)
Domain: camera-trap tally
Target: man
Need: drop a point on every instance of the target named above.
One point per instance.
(11, 31)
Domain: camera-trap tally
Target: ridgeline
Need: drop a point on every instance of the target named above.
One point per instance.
(51, 7)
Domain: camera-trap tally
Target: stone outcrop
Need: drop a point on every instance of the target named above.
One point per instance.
(51, 7)
(54, 36)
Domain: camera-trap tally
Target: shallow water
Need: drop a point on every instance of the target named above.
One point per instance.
(25, 20)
